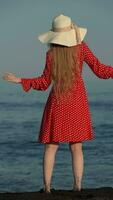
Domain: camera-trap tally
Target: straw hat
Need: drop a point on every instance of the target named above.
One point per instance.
(63, 32)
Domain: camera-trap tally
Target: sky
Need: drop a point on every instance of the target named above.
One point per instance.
(21, 21)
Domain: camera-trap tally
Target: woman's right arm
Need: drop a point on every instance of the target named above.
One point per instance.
(101, 70)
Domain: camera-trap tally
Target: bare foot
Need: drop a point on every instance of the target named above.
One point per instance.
(76, 188)
(47, 189)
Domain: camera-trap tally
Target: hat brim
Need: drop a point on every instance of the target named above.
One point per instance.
(67, 38)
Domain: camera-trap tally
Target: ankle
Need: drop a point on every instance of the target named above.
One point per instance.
(77, 186)
(47, 187)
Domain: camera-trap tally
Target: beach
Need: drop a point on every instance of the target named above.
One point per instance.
(103, 193)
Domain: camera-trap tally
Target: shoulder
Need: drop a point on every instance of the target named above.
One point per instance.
(49, 55)
(85, 46)
(84, 43)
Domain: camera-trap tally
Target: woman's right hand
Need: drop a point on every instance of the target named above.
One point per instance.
(11, 77)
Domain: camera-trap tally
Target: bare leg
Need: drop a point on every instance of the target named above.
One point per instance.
(77, 164)
(48, 164)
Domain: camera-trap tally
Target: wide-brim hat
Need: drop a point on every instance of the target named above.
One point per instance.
(63, 32)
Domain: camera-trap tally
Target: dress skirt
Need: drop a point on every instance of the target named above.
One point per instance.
(68, 121)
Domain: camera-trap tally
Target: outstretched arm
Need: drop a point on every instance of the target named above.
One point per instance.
(101, 70)
(39, 83)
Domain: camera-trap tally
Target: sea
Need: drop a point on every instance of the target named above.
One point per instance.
(21, 156)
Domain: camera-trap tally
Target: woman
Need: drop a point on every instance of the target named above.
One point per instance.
(66, 116)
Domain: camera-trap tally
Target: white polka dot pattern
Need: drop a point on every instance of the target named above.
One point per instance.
(70, 121)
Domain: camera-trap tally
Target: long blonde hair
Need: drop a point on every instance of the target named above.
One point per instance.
(65, 66)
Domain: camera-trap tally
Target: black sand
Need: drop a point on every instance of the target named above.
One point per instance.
(104, 193)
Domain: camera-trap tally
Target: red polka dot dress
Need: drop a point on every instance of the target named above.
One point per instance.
(68, 121)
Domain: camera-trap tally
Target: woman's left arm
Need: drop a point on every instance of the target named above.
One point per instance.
(100, 69)
(41, 82)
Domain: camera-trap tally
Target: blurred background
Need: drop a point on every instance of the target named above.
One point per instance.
(20, 113)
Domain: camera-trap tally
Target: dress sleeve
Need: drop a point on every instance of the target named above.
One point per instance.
(101, 70)
(41, 82)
